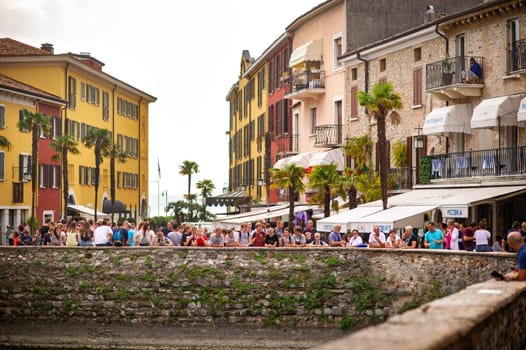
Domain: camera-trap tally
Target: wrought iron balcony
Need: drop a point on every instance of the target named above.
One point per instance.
(492, 162)
(517, 56)
(287, 144)
(450, 77)
(307, 84)
(329, 135)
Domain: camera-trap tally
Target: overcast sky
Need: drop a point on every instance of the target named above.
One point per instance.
(185, 53)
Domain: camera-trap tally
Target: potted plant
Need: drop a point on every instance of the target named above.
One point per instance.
(447, 71)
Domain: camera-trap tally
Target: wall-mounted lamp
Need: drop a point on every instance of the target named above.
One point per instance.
(418, 140)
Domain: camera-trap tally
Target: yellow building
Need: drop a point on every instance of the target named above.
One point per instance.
(249, 155)
(94, 99)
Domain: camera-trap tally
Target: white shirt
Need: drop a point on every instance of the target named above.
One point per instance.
(101, 234)
(482, 236)
(374, 240)
(356, 241)
(453, 245)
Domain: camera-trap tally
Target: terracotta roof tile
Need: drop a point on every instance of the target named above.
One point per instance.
(10, 47)
(15, 85)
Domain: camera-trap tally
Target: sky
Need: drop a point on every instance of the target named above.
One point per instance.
(185, 53)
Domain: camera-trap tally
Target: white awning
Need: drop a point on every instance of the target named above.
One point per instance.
(521, 114)
(310, 51)
(489, 111)
(87, 211)
(280, 164)
(455, 118)
(219, 220)
(394, 217)
(301, 159)
(236, 222)
(346, 219)
(334, 156)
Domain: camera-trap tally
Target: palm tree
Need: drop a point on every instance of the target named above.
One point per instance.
(379, 103)
(290, 178)
(359, 149)
(114, 153)
(4, 142)
(206, 186)
(188, 168)
(346, 185)
(324, 179)
(36, 123)
(64, 145)
(101, 141)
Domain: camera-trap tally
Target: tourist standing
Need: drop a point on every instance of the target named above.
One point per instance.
(86, 235)
(376, 238)
(482, 237)
(516, 243)
(72, 235)
(468, 237)
(434, 238)
(453, 234)
(335, 237)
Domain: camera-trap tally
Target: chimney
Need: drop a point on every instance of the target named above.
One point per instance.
(47, 47)
(429, 15)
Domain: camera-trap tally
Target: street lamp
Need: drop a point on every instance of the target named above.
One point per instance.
(203, 201)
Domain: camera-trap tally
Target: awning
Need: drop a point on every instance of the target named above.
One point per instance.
(280, 164)
(310, 51)
(301, 159)
(217, 221)
(521, 114)
(394, 217)
(117, 207)
(268, 214)
(229, 199)
(455, 118)
(346, 219)
(489, 111)
(334, 156)
(80, 209)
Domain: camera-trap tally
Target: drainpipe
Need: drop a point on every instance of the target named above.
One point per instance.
(139, 156)
(445, 38)
(366, 75)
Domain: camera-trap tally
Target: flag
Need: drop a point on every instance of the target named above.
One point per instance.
(158, 169)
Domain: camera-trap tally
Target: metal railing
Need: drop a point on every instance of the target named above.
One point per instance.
(450, 71)
(492, 162)
(308, 80)
(517, 56)
(287, 143)
(329, 135)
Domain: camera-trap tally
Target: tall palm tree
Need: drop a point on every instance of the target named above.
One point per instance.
(324, 179)
(100, 140)
(64, 145)
(346, 185)
(36, 123)
(188, 168)
(290, 178)
(359, 149)
(379, 103)
(4, 142)
(206, 186)
(115, 153)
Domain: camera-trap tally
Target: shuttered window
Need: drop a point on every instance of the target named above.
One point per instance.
(417, 86)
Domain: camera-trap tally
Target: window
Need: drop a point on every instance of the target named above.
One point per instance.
(105, 106)
(261, 86)
(383, 65)
(417, 87)
(515, 49)
(417, 54)
(24, 168)
(42, 176)
(354, 102)
(72, 93)
(271, 76)
(2, 117)
(20, 118)
(312, 120)
(279, 67)
(337, 47)
(2, 167)
(118, 179)
(354, 74)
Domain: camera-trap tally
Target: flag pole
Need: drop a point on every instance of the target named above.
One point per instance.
(158, 188)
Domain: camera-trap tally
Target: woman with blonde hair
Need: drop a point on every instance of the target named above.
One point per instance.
(482, 237)
(72, 235)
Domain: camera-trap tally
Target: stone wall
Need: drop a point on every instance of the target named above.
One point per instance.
(343, 288)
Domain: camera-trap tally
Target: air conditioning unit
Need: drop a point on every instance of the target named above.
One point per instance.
(27, 177)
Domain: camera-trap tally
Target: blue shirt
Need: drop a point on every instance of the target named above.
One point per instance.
(475, 68)
(432, 236)
(522, 257)
(335, 237)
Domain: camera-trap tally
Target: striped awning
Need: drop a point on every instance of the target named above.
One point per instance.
(229, 199)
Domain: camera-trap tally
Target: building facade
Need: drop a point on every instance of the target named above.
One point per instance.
(94, 99)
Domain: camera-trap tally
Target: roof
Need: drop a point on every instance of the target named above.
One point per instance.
(11, 47)
(17, 86)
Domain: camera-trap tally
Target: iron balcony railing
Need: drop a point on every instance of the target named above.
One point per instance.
(287, 143)
(492, 162)
(517, 56)
(329, 135)
(450, 71)
(308, 80)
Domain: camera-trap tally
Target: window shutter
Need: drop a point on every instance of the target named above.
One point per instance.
(1, 165)
(417, 87)
(354, 102)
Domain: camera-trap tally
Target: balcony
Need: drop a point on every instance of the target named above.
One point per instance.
(330, 135)
(493, 162)
(306, 85)
(517, 56)
(447, 78)
(287, 144)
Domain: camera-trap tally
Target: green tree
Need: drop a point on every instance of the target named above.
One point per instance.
(290, 178)
(187, 169)
(325, 180)
(101, 142)
(346, 187)
(206, 187)
(368, 183)
(359, 149)
(115, 153)
(4, 142)
(64, 145)
(36, 123)
(380, 103)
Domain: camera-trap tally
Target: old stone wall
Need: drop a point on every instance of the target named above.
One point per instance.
(343, 288)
